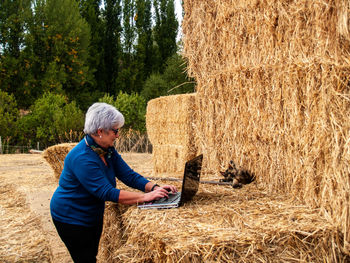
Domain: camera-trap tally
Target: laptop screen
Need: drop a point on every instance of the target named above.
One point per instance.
(191, 178)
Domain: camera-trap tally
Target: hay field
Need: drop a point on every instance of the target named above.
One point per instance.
(27, 183)
(220, 225)
(26, 230)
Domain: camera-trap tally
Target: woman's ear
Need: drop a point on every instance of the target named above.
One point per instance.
(99, 132)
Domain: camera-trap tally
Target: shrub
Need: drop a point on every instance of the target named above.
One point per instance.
(50, 119)
(8, 114)
(155, 86)
(174, 80)
(132, 106)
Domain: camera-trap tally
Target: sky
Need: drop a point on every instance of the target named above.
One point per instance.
(178, 11)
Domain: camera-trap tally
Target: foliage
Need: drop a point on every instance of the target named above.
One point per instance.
(14, 17)
(68, 37)
(144, 49)
(90, 11)
(132, 106)
(107, 99)
(73, 50)
(111, 44)
(174, 80)
(50, 118)
(8, 114)
(155, 86)
(165, 30)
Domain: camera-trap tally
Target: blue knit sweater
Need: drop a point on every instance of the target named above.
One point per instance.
(86, 183)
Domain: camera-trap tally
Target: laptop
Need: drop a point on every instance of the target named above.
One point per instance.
(190, 184)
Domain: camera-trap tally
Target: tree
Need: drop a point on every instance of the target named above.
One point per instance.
(126, 76)
(174, 80)
(165, 30)
(68, 39)
(50, 118)
(155, 86)
(128, 29)
(8, 114)
(90, 11)
(132, 106)
(176, 76)
(144, 47)
(13, 25)
(112, 46)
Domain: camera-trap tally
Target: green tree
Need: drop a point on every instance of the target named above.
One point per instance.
(155, 86)
(68, 37)
(128, 32)
(56, 52)
(126, 76)
(144, 47)
(174, 80)
(36, 55)
(112, 47)
(176, 76)
(90, 11)
(165, 30)
(8, 115)
(13, 25)
(50, 118)
(132, 106)
(109, 99)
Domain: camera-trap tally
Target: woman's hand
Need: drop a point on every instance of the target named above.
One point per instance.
(126, 197)
(156, 194)
(170, 188)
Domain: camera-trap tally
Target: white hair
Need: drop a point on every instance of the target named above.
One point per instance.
(102, 116)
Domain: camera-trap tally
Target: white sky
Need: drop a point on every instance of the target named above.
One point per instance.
(178, 11)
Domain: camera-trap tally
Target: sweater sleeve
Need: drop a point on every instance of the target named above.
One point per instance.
(127, 175)
(93, 179)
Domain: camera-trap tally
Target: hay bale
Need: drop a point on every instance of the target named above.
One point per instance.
(273, 76)
(22, 238)
(55, 156)
(112, 236)
(222, 225)
(169, 122)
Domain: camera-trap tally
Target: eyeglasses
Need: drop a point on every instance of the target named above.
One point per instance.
(115, 131)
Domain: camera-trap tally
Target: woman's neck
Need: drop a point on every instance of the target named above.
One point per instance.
(99, 141)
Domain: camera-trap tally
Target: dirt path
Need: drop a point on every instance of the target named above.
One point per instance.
(31, 176)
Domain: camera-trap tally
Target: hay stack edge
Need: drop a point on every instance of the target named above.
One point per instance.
(169, 123)
(273, 96)
(55, 156)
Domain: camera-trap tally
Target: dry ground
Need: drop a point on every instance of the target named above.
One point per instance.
(27, 183)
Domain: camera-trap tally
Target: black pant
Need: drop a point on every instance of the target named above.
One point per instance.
(82, 242)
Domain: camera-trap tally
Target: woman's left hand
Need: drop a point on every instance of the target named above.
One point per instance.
(170, 188)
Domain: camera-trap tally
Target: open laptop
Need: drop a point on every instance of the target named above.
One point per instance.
(190, 184)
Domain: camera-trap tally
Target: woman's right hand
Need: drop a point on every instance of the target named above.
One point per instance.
(156, 194)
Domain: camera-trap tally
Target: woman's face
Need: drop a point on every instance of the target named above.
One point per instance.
(108, 137)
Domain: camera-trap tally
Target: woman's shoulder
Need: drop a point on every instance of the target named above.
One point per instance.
(81, 152)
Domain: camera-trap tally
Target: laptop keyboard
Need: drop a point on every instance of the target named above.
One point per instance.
(173, 198)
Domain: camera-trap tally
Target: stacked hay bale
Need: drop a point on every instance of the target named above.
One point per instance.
(169, 122)
(273, 76)
(55, 156)
(221, 226)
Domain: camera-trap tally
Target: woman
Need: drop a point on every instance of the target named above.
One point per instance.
(88, 180)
